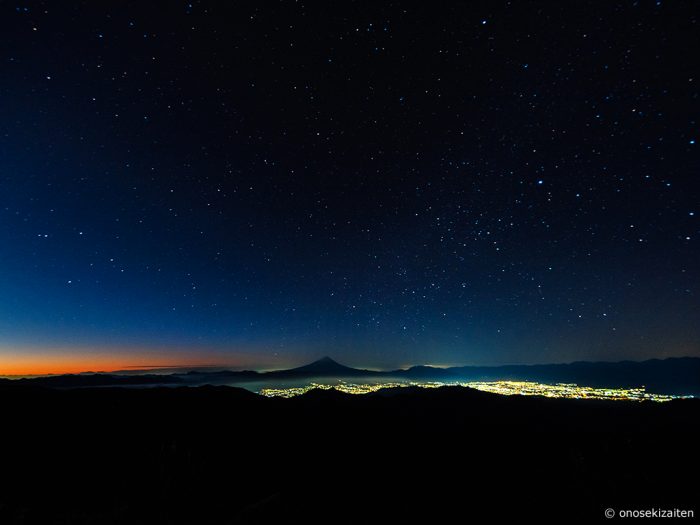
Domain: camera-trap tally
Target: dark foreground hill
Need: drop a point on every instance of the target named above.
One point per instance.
(219, 455)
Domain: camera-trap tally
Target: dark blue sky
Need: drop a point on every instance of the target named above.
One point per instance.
(385, 183)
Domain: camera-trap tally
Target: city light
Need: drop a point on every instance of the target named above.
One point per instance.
(508, 388)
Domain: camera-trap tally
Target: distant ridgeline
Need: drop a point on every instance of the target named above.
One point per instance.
(676, 376)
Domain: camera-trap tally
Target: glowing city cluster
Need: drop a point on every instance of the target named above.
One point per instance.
(567, 390)
(508, 388)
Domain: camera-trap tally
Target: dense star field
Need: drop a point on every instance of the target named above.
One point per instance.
(387, 183)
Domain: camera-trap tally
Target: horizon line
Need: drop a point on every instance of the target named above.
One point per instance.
(223, 367)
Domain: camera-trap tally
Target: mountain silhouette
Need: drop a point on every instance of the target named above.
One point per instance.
(675, 375)
(93, 380)
(324, 367)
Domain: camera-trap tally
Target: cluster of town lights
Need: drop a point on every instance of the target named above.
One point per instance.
(524, 388)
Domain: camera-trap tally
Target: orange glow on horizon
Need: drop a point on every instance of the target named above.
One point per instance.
(74, 365)
(36, 360)
(42, 361)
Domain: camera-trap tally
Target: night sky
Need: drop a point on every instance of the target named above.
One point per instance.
(259, 184)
